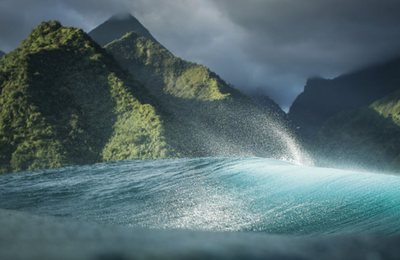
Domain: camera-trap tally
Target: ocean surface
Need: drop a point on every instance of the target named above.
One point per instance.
(244, 194)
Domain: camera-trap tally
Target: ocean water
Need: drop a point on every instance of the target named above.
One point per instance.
(244, 194)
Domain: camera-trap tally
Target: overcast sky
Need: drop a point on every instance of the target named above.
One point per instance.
(269, 46)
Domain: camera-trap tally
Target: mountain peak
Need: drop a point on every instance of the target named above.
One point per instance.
(59, 122)
(117, 26)
(123, 16)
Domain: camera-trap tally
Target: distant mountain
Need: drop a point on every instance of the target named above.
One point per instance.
(64, 101)
(2, 54)
(117, 26)
(323, 98)
(364, 138)
(215, 119)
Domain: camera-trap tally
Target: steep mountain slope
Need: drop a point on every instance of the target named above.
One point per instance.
(2, 54)
(116, 27)
(366, 137)
(123, 23)
(64, 100)
(211, 117)
(268, 104)
(324, 98)
(215, 119)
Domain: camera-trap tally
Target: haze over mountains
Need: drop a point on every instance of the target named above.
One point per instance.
(363, 138)
(353, 120)
(2, 54)
(323, 98)
(117, 26)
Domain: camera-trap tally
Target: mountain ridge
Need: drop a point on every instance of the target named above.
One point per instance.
(66, 101)
(365, 138)
(207, 107)
(323, 98)
(352, 121)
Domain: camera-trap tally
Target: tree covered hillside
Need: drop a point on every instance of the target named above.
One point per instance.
(324, 98)
(2, 54)
(64, 100)
(367, 137)
(214, 118)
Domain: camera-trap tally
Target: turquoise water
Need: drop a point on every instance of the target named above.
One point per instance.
(217, 194)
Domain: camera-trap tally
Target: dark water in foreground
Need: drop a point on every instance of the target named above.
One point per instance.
(218, 194)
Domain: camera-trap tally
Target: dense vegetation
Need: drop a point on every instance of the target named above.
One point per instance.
(164, 73)
(353, 120)
(324, 98)
(64, 100)
(212, 118)
(367, 137)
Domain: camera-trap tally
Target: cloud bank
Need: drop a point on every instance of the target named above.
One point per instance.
(268, 47)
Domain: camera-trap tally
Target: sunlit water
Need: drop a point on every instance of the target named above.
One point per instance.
(218, 194)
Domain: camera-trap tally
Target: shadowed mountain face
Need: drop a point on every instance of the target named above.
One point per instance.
(2, 54)
(367, 137)
(215, 119)
(211, 117)
(322, 98)
(353, 120)
(64, 100)
(116, 27)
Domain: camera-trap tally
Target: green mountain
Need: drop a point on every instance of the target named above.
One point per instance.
(65, 100)
(367, 137)
(117, 26)
(211, 117)
(2, 54)
(352, 120)
(323, 98)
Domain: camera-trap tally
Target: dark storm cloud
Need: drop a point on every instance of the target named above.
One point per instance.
(19, 17)
(269, 46)
(293, 40)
